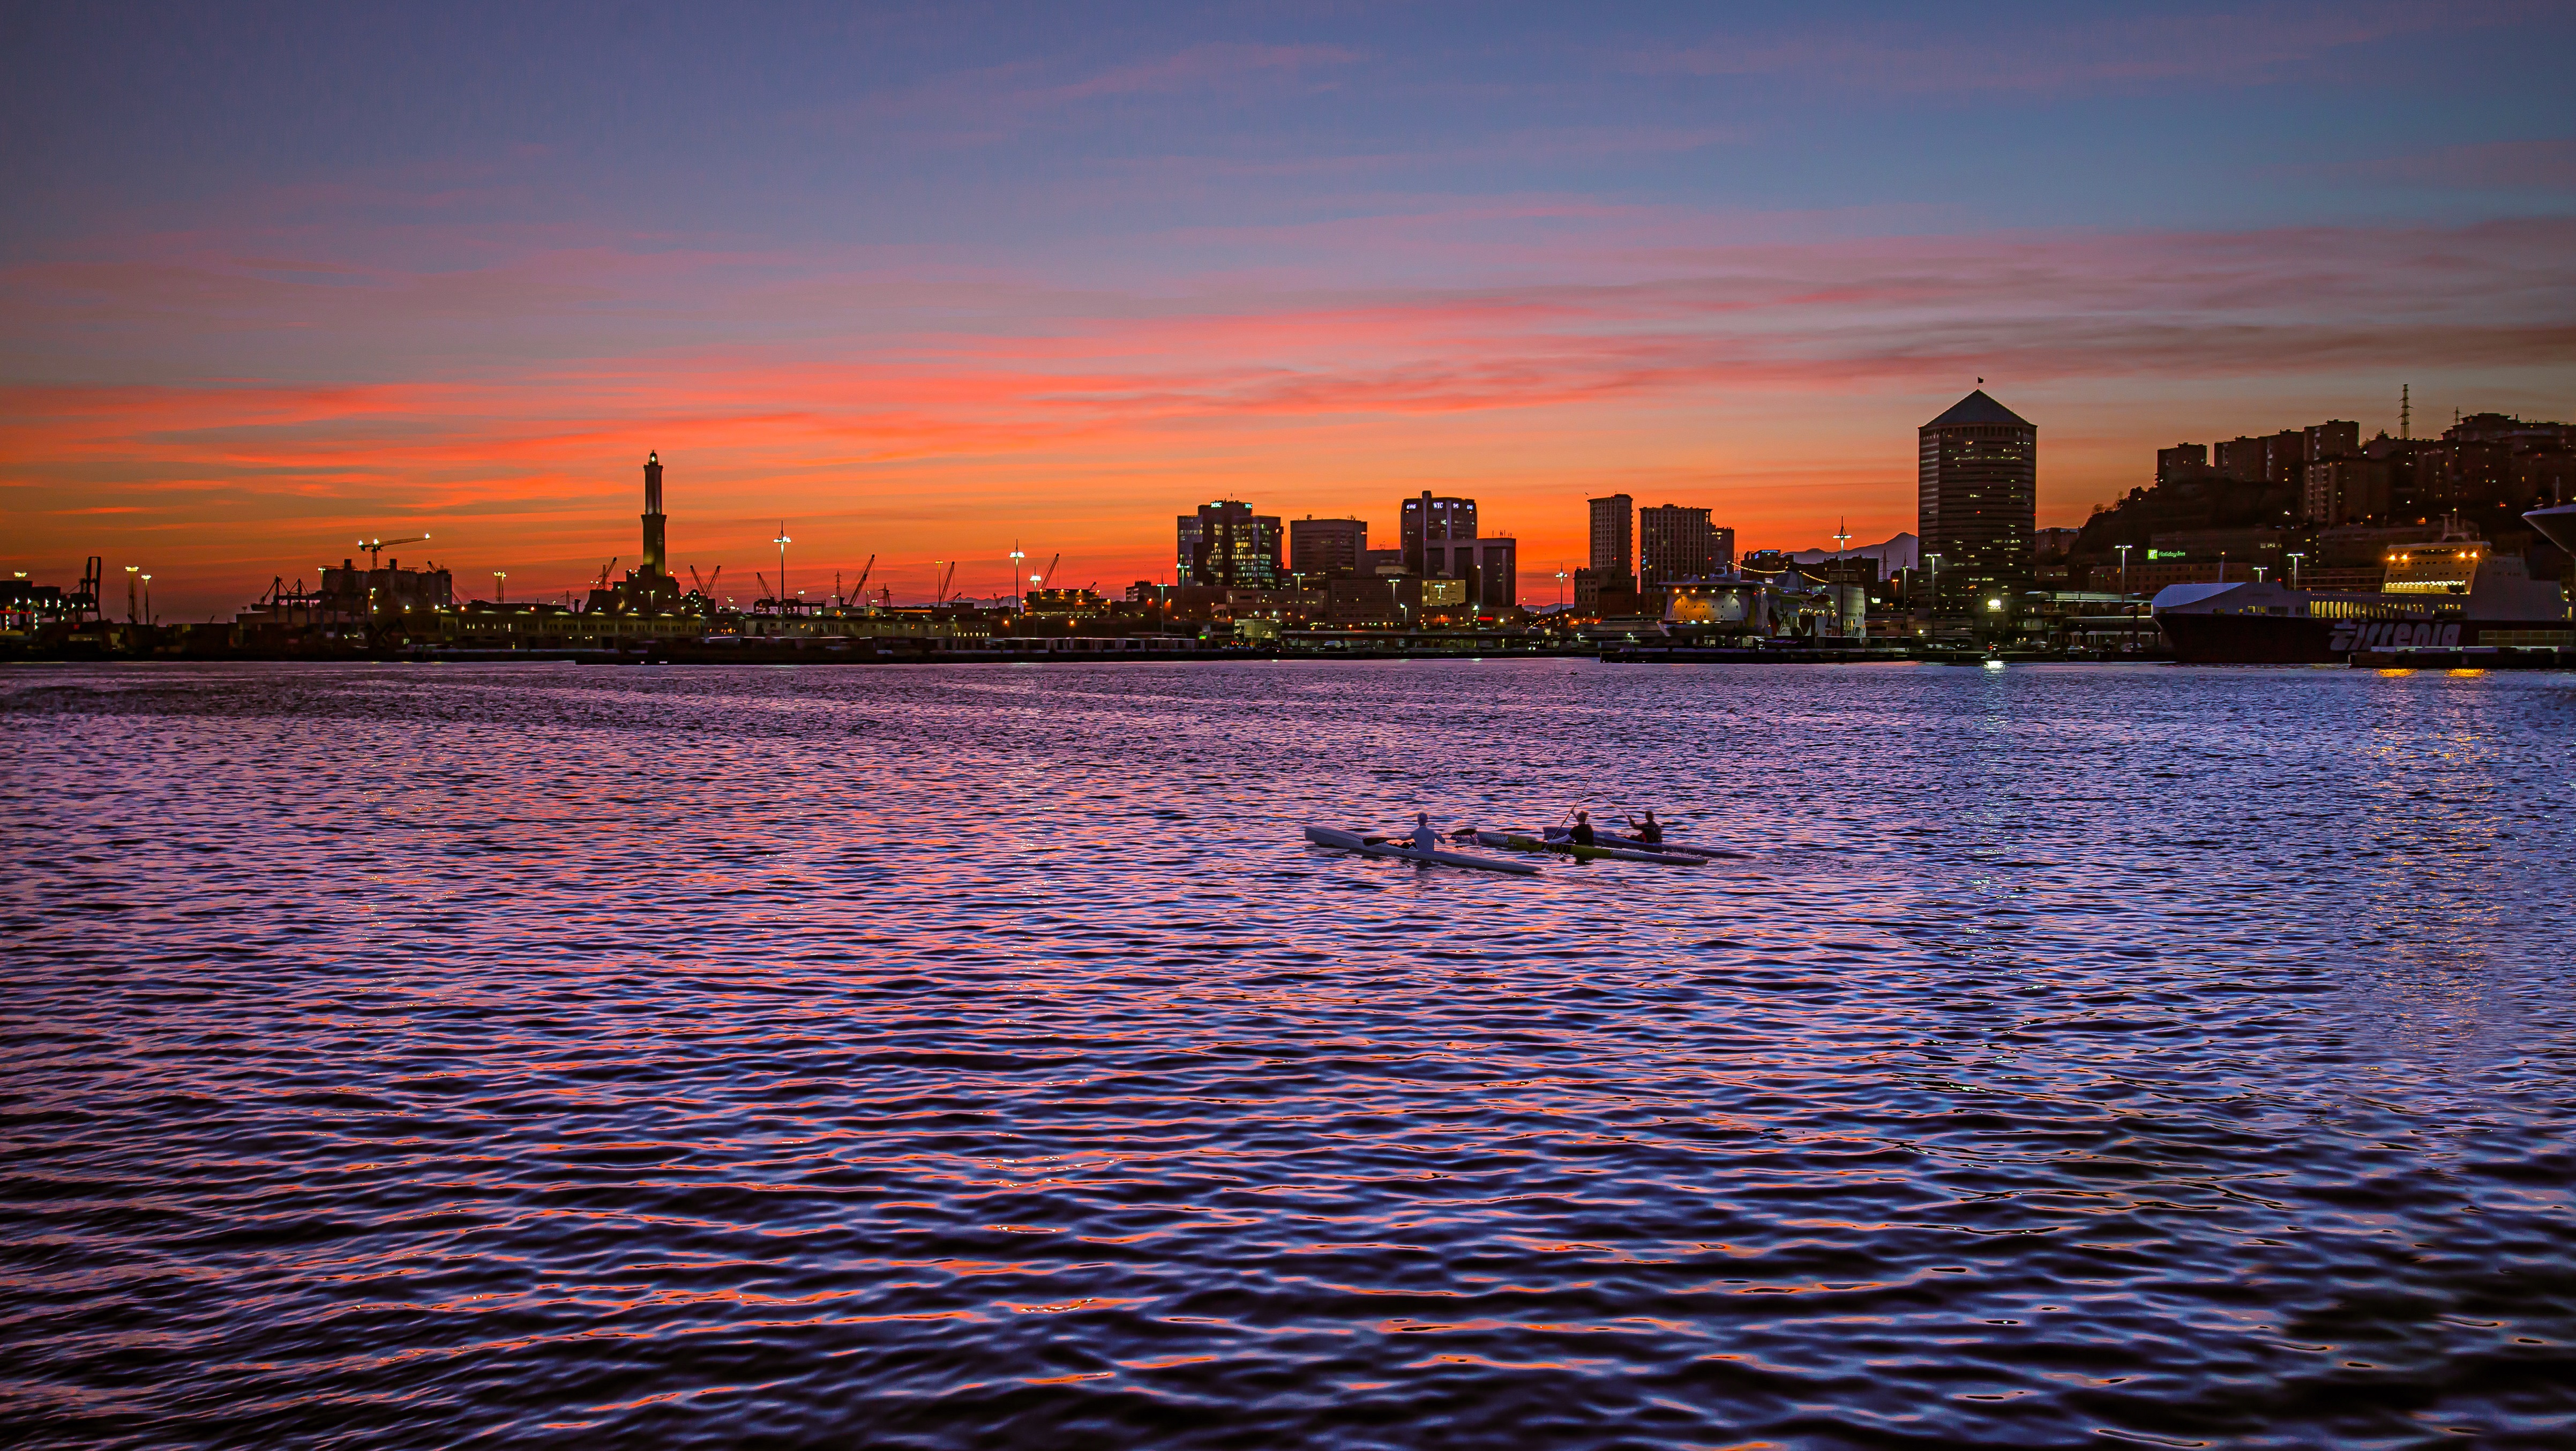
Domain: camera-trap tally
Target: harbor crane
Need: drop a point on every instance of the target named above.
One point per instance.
(1048, 578)
(376, 547)
(859, 591)
(603, 571)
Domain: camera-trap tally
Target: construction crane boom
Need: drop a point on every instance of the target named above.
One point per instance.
(1047, 579)
(376, 548)
(859, 592)
(604, 569)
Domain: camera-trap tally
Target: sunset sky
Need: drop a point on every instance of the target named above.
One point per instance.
(922, 281)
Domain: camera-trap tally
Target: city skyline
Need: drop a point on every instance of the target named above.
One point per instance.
(921, 292)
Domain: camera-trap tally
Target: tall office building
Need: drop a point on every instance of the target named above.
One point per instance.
(1322, 547)
(1614, 537)
(1429, 518)
(1978, 498)
(1227, 545)
(1674, 542)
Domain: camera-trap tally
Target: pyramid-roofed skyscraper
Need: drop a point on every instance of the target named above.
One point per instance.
(1978, 501)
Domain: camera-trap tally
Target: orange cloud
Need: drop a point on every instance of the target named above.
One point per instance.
(505, 410)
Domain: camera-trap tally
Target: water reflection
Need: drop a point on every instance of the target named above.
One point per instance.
(978, 1056)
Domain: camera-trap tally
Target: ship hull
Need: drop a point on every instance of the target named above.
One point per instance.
(2251, 640)
(2219, 639)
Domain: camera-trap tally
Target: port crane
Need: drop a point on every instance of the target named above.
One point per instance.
(857, 592)
(604, 569)
(1047, 579)
(376, 547)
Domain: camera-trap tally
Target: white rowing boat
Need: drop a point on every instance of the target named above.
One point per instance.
(1353, 841)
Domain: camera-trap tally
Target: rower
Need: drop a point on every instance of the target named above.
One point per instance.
(1583, 828)
(1424, 839)
(1650, 831)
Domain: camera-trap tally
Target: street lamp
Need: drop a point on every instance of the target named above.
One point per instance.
(132, 610)
(2294, 569)
(500, 589)
(2124, 567)
(782, 541)
(147, 599)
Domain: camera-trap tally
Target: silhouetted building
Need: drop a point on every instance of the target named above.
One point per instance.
(1978, 497)
(1230, 547)
(1488, 566)
(1675, 542)
(1614, 537)
(2182, 461)
(1612, 565)
(2347, 490)
(647, 589)
(1322, 547)
(392, 589)
(654, 554)
(1428, 518)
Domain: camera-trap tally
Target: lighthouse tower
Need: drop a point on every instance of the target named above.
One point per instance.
(655, 559)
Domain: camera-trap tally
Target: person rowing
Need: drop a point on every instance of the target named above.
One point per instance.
(1424, 839)
(1583, 835)
(1650, 831)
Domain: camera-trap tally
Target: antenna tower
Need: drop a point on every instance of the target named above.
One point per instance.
(2405, 411)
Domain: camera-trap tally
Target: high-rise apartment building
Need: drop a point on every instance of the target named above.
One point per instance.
(2182, 461)
(1721, 551)
(1322, 547)
(1674, 542)
(1429, 518)
(1614, 537)
(1978, 498)
(1228, 545)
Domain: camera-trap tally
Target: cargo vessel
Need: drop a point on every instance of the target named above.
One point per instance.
(2455, 593)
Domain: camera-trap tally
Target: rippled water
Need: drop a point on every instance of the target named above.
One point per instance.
(976, 1056)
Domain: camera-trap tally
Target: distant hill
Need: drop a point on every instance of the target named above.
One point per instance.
(1897, 553)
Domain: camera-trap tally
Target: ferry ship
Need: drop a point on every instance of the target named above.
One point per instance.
(2454, 592)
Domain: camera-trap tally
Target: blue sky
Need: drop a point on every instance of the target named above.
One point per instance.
(917, 275)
